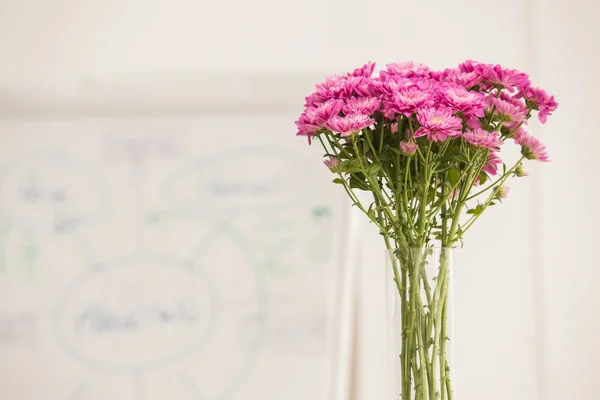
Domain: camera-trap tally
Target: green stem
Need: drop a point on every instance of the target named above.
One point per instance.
(512, 132)
(370, 143)
(381, 135)
(333, 142)
(400, 286)
(491, 197)
(408, 208)
(404, 215)
(414, 292)
(442, 321)
(423, 212)
(377, 191)
(421, 341)
(414, 342)
(444, 294)
(448, 384)
(415, 336)
(423, 333)
(430, 304)
(501, 179)
(351, 193)
(491, 115)
(406, 389)
(438, 322)
(443, 362)
(447, 196)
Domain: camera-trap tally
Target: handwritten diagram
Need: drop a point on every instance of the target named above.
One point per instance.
(151, 271)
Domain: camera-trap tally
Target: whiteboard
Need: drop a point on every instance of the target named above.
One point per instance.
(167, 257)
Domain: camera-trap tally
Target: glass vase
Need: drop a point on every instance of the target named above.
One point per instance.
(419, 316)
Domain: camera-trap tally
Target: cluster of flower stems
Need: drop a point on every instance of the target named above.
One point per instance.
(417, 203)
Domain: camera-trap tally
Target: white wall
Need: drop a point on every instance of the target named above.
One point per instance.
(525, 299)
(567, 55)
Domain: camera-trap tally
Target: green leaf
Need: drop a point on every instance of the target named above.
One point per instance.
(444, 168)
(371, 212)
(338, 181)
(396, 151)
(483, 178)
(477, 210)
(349, 166)
(453, 176)
(384, 157)
(356, 183)
(455, 156)
(531, 104)
(374, 169)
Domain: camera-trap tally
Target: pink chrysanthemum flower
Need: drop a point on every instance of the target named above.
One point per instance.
(467, 66)
(542, 100)
(519, 134)
(407, 69)
(315, 118)
(496, 75)
(408, 147)
(456, 76)
(426, 84)
(519, 104)
(366, 70)
(473, 122)
(313, 100)
(406, 101)
(307, 123)
(332, 163)
(350, 124)
(394, 84)
(506, 111)
(532, 148)
(466, 79)
(356, 84)
(439, 76)
(362, 105)
(460, 99)
(334, 87)
(482, 138)
(491, 166)
(514, 100)
(438, 124)
(328, 109)
(368, 87)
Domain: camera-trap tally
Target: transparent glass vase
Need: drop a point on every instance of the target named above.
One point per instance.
(420, 313)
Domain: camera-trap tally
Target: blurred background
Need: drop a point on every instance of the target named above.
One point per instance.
(164, 234)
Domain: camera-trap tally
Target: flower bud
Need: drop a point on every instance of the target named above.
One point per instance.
(408, 148)
(520, 171)
(332, 163)
(501, 192)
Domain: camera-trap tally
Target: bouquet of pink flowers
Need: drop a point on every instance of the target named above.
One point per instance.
(426, 144)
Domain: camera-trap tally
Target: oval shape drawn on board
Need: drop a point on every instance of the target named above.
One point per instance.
(136, 313)
(240, 179)
(51, 191)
